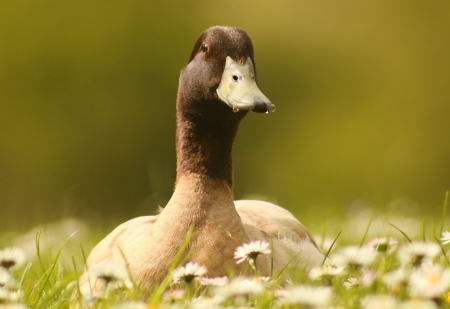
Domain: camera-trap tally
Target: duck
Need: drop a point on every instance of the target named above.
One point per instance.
(217, 88)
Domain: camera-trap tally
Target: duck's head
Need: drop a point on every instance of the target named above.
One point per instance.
(220, 78)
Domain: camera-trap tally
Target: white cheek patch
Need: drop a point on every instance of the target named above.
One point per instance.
(238, 88)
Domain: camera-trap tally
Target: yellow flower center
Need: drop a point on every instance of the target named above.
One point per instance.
(434, 279)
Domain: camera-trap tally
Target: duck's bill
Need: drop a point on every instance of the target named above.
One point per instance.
(238, 88)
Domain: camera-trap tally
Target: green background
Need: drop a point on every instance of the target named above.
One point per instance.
(88, 90)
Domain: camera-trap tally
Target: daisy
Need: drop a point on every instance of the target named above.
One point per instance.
(445, 237)
(188, 273)
(131, 305)
(367, 278)
(112, 276)
(418, 304)
(262, 279)
(306, 295)
(383, 244)
(7, 296)
(218, 281)
(429, 281)
(5, 278)
(4, 293)
(206, 302)
(11, 257)
(379, 301)
(326, 271)
(395, 279)
(174, 295)
(251, 250)
(14, 306)
(355, 257)
(416, 253)
(240, 287)
(351, 283)
(288, 282)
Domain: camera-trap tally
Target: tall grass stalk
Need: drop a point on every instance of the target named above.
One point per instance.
(403, 233)
(363, 239)
(444, 212)
(155, 298)
(329, 249)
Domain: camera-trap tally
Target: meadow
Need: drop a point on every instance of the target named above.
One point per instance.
(358, 147)
(373, 260)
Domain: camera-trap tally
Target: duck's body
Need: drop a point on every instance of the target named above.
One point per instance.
(203, 196)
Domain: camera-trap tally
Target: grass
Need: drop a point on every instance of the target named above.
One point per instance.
(373, 261)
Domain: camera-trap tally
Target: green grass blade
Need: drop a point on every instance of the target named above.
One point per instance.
(56, 289)
(403, 233)
(155, 298)
(24, 274)
(365, 232)
(287, 264)
(35, 291)
(423, 230)
(38, 249)
(324, 233)
(329, 249)
(127, 266)
(272, 253)
(433, 228)
(49, 272)
(83, 253)
(443, 251)
(77, 286)
(444, 212)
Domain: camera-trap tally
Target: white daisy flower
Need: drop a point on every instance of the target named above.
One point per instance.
(288, 282)
(367, 278)
(429, 281)
(188, 273)
(395, 279)
(351, 283)
(5, 278)
(354, 256)
(174, 295)
(240, 287)
(379, 302)
(112, 276)
(218, 281)
(418, 304)
(206, 302)
(306, 295)
(383, 244)
(327, 271)
(14, 306)
(262, 279)
(11, 257)
(4, 293)
(445, 237)
(7, 296)
(251, 250)
(131, 305)
(416, 253)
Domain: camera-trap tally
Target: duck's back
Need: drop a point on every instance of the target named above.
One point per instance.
(129, 237)
(267, 221)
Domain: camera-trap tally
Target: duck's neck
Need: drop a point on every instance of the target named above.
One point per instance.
(204, 147)
(203, 198)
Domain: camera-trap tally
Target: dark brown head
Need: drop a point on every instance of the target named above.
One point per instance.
(216, 90)
(208, 68)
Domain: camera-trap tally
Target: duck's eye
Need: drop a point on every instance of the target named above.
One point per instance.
(235, 78)
(204, 47)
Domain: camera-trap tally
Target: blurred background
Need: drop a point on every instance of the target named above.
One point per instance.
(88, 90)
